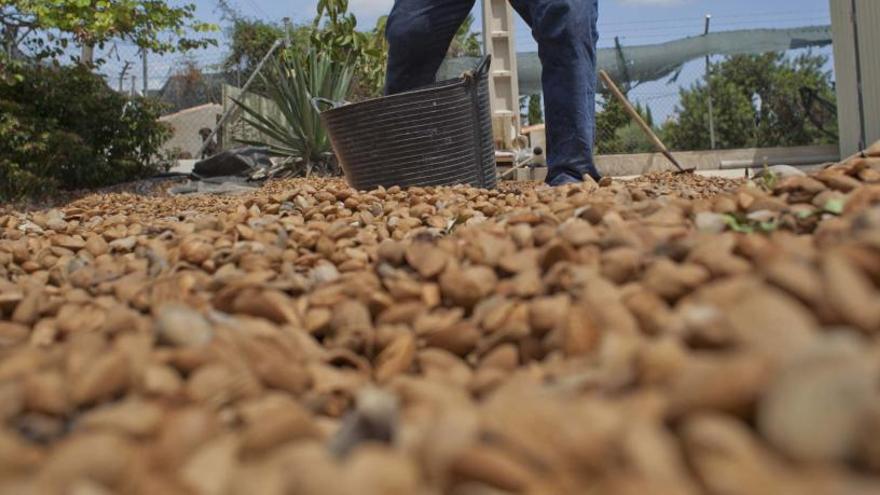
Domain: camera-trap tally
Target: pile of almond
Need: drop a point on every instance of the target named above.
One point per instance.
(674, 334)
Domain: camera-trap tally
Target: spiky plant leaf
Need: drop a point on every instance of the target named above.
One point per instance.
(291, 82)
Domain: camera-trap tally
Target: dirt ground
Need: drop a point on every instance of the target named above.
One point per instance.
(671, 334)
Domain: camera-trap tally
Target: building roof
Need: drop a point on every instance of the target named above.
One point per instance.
(181, 91)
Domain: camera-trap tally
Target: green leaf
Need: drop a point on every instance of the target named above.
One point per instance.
(298, 131)
(769, 226)
(835, 206)
(736, 226)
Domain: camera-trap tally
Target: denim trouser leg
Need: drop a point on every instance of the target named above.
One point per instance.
(419, 33)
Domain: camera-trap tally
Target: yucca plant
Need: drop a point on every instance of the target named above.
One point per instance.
(291, 82)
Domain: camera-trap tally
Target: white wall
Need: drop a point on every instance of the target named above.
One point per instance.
(185, 126)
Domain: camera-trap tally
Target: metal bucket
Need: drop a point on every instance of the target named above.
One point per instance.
(433, 136)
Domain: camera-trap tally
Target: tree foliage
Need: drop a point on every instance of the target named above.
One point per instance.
(251, 39)
(46, 28)
(63, 127)
(757, 103)
(536, 110)
(615, 130)
(466, 43)
(334, 32)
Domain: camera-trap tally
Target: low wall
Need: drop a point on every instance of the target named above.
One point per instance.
(624, 165)
(713, 160)
(185, 127)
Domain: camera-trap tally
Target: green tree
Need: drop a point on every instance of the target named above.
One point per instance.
(734, 118)
(632, 139)
(48, 27)
(649, 115)
(757, 102)
(536, 110)
(615, 131)
(251, 39)
(63, 127)
(334, 32)
(466, 43)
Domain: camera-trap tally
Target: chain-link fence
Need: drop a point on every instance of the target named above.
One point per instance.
(190, 87)
(793, 92)
(658, 102)
(755, 100)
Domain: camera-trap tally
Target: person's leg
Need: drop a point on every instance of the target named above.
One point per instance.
(566, 34)
(523, 8)
(419, 33)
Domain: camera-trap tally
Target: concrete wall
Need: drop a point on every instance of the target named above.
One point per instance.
(625, 165)
(186, 125)
(868, 19)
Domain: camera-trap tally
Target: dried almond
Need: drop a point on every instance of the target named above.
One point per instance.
(428, 260)
(851, 293)
(181, 326)
(102, 457)
(273, 421)
(131, 417)
(493, 467)
(46, 393)
(181, 434)
(195, 250)
(100, 380)
(396, 358)
(12, 334)
(465, 287)
(459, 339)
(546, 313)
(209, 470)
(580, 335)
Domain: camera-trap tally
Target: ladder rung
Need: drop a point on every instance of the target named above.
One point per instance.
(500, 34)
(501, 73)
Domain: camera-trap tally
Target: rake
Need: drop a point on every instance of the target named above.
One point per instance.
(609, 83)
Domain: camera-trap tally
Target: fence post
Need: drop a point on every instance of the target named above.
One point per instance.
(709, 91)
(146, 72)
(122, 75)
(288, 29)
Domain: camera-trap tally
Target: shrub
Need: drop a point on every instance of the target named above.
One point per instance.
(64, 128)
(632, 139)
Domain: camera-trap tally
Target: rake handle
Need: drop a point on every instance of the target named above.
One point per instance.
(609, 83)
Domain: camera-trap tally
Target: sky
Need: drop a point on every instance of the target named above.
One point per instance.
(634, 22)
(638, 21)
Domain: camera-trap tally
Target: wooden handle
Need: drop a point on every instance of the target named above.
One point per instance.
(609, 83)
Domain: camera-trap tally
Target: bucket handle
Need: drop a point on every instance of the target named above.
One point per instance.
(317, 101)
(479, 71)
(484, 66)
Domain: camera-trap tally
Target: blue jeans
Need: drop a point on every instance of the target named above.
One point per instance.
(419, 33)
